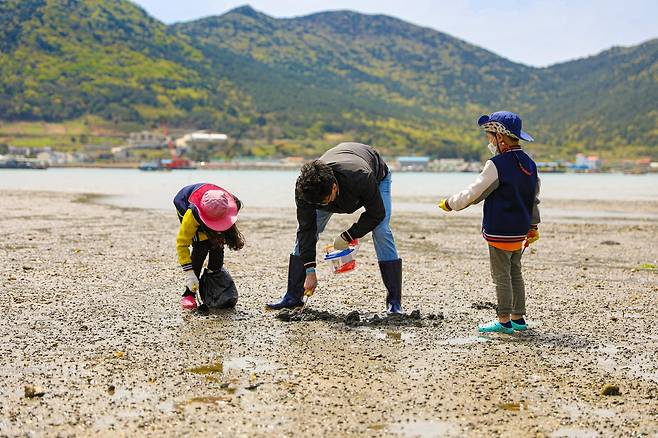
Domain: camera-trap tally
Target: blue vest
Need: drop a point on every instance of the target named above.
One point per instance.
(508, 209)
(182, 200)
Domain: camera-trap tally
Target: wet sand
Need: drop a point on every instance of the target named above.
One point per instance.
(90, 314)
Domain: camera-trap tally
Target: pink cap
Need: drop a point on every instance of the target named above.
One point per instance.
(217, 208)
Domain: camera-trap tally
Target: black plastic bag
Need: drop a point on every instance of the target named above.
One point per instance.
(217, 289)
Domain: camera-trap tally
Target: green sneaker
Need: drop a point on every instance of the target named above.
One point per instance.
(519, 327)
(495, 327)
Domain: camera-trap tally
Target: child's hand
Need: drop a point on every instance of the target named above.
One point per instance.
(192, 282)
(533, 236)
(443, 205)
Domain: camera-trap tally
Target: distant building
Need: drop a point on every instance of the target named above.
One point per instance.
(200, 139)
(59, 158)
(145, 139)
(590, 163)
(13, 150)
(411, 163)
(644, 162)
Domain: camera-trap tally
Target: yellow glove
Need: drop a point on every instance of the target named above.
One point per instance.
(443, 205)
(533, 236)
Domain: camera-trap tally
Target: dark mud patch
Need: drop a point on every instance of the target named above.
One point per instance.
(101, 199)
(484, 305)
(356, 319)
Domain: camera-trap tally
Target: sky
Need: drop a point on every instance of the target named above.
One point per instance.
(533, 32)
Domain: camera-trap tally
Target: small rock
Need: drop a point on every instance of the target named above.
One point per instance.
(32, 391)
(610, 389)
(352, 318)
(415, 314)
(111, 389)
(284, 315)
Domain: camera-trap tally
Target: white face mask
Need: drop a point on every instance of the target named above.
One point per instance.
(492, 148)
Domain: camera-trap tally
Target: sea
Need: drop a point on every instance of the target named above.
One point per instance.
(273, 189)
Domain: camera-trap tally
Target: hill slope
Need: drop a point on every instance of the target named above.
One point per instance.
(61, 59)
(315, 79)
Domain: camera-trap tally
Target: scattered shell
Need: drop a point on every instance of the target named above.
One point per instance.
(32, 391)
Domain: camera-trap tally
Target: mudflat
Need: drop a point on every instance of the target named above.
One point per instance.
(93, 341)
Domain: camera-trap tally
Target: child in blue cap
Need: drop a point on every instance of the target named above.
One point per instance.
(509, 186)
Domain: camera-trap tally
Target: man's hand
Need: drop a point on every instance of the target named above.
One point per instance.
(311, 282)
(192, 282)
(340, 243)
(443, 205)
(533, 236)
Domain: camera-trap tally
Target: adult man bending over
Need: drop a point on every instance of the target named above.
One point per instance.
(344, 179)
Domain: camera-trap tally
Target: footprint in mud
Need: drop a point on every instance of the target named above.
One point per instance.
(355, 319)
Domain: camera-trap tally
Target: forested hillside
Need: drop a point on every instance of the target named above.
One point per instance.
(313, 80)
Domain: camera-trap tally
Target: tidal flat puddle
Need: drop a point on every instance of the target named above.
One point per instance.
(244, 363)
(395, 336)
(425, 429)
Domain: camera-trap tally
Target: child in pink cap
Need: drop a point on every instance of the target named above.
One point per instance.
(208, 215)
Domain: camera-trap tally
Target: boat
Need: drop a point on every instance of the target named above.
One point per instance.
(152, 165)
(22, 163)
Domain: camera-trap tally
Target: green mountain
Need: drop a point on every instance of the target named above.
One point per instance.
(61, 59)
(304, 82)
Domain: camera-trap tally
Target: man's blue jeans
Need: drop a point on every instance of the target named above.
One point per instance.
(382, 235)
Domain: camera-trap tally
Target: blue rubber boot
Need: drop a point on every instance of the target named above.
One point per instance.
(495, 327)
(294, 296)
(392, 276)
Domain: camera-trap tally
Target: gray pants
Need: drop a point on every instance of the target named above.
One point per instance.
(506, 274)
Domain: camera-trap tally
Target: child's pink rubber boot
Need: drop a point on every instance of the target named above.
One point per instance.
(188, 302)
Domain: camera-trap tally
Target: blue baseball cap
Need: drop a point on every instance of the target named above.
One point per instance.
(508, 120)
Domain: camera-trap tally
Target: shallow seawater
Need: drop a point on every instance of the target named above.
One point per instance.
(131, 188)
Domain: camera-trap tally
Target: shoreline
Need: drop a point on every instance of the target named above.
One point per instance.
(267, 165)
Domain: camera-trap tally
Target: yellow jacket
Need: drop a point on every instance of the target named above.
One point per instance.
(188, 232)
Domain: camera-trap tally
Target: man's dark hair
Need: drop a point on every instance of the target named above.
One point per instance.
(315, 182)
